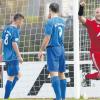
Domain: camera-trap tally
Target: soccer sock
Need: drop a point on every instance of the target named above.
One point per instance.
(8, 89)
(63, 84)
(92, 76)
(14, 81)
(56, 86)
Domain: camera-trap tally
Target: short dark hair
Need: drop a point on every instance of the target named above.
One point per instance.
(54, 7)
(18, 16)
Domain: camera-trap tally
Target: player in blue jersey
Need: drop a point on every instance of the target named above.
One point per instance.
(11, 53)
(54, 44)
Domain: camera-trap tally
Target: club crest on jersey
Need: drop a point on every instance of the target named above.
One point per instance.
(98, 34)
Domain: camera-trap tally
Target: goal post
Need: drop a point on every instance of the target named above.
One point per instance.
(76, 49)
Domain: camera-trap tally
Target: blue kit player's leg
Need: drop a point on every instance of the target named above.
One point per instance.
(13, 70)
(53, 68)
(16, 73)
(9, 82)
(8, 89)
(55, 81)
(63, 82)
(14, 81)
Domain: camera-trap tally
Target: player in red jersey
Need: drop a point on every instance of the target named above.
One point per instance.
(93, 28)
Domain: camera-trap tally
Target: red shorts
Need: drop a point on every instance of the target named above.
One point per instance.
(95, 56)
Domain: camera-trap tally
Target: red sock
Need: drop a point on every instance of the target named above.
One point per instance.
(92, 76)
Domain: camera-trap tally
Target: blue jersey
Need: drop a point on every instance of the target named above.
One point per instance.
(10, 34)
(55, 28)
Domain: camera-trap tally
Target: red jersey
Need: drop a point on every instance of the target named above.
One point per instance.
(93, 29)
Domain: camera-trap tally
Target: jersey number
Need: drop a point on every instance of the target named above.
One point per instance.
(6, 39)
(60, 31)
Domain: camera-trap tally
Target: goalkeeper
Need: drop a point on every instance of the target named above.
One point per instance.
(93, 28)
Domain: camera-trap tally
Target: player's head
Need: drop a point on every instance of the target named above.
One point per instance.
(53, 8)
(97, 14)
(18, 19)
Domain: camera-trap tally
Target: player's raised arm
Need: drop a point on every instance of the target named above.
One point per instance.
(81, 11)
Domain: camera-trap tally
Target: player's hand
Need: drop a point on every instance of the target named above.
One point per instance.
(41, 56)
(82, 3)
(20, 59)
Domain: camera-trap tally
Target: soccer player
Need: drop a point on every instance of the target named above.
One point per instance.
(54, 44)
(11, 53)
(93, 28)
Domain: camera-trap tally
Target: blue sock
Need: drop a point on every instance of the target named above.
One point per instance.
(8, 89)
(56, 86)
(63, 84)
(14, 82)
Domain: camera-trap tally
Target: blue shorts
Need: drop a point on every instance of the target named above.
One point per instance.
(56, 59)
(12, 68)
